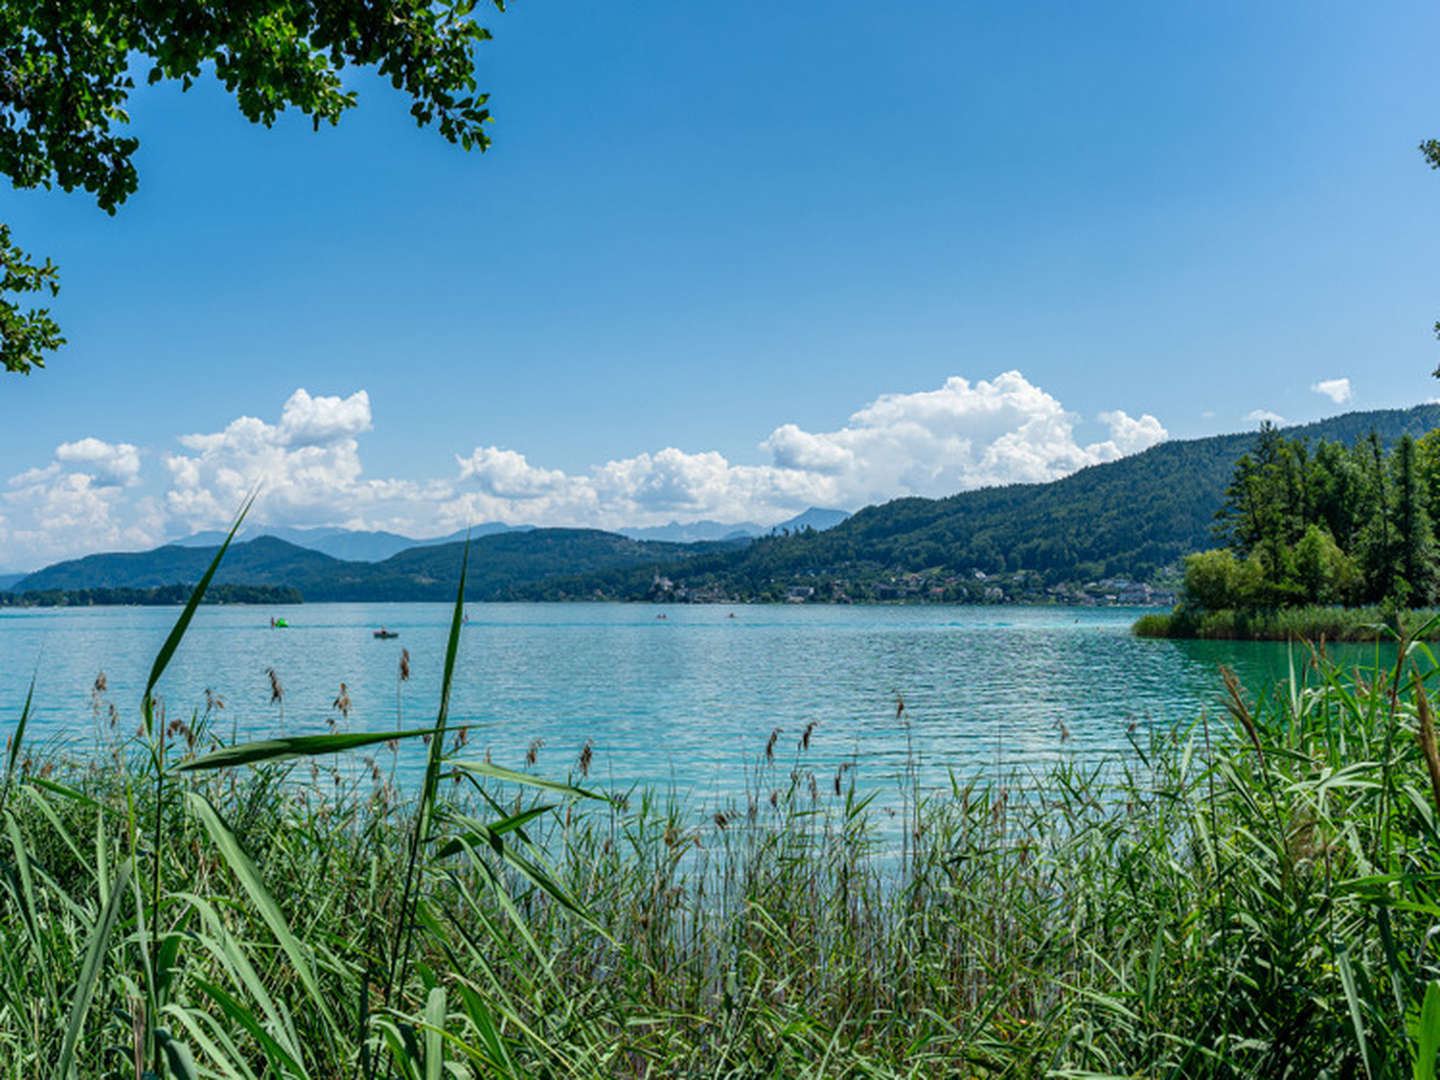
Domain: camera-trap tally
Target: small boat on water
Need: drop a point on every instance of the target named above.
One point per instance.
(383, 633)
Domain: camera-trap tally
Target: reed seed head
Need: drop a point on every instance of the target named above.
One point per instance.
(1426, 737)
(1241, 711)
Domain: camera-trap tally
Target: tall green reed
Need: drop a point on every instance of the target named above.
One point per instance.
(1251, 896)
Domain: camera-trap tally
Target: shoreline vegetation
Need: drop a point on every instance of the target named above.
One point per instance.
(179, 595)
(1327, 543)
(1312, 624)
(1249, 896)
(156, 596)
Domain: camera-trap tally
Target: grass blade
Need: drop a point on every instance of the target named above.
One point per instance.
(167, 650)
(1352, 998)
(435, 1033)
(254, 885)
(1428, 1040)
(496, 772)
(293, 747)
(15, 742)
(177, 1056)
(426, 809)
(90, 971)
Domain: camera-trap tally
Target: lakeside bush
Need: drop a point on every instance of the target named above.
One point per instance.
(1252, 896)
(1312, 624)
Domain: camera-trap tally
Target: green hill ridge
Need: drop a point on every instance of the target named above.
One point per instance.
(1130, 518)
(499, 564)
(1133, 518)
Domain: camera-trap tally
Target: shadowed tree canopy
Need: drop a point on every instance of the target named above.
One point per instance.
(67, 71)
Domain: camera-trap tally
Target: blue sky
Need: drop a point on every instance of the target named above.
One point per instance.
(726, 260)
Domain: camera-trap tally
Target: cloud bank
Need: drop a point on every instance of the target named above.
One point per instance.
(94, 495)
(963, 435)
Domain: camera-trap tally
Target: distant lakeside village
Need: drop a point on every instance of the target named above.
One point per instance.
(976, 587)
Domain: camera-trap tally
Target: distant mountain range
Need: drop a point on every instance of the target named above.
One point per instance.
(695, 531)
(499, 564)
(345, 564)
(359, 545)
(1133, 518)
(353, 545)
(815, 518)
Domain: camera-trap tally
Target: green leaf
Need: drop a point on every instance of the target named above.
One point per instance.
(167, 650)
(1352, 998)
(1428, 1037)
(435, 1033)
(496, 772)
(29, 911)
(425, 809)
(278, 1056)
(67, 792)
(177, 1056)
(490, 834)
(250, 879)
(294, 747)
(19, 735)
(90, 971)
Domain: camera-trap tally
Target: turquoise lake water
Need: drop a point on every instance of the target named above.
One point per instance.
(685, 700)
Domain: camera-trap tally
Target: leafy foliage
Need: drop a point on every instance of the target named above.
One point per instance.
(67, 71)
(25, 336)
(1341, 525)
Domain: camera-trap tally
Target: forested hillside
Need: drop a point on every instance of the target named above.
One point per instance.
(1134, 518)
(1130, 518)
(499, 565)
(263, 561)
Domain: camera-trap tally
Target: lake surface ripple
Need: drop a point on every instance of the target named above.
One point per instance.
(687, 700)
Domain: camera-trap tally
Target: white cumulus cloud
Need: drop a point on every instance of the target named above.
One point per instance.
(55, 513)
(933, 442)
(1337, 390)
(105, 463)
(307, 466)
(962, 435)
